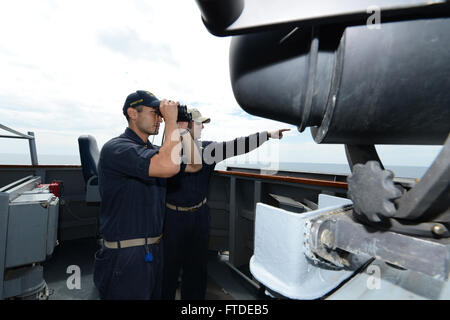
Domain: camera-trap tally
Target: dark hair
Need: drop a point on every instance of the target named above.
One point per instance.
(138, 108)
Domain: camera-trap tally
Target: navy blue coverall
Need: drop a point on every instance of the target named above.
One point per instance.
(186, 234)
(133, 206)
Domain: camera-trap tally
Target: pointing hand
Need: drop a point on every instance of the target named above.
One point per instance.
(277, 134)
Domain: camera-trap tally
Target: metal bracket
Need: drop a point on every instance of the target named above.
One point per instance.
(332, 234)
(361, 154)
(433, 184)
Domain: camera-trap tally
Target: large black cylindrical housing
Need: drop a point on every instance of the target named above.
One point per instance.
(351, 85)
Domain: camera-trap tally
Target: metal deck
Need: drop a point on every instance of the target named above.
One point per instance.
(223, 283)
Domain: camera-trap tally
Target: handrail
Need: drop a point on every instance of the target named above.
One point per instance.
(38, 166)
(317, 182)
(19, 135)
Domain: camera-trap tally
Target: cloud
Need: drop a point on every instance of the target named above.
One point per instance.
(128, 43)
(5, 52)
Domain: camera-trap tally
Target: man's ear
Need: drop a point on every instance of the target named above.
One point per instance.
(132, 113)
(190, 124)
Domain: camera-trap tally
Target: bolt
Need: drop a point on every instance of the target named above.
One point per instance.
(438, 229)
(327, 238)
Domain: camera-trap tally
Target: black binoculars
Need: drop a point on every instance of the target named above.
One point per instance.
(183, 114)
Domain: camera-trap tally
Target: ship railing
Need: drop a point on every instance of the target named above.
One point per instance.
(18, 135)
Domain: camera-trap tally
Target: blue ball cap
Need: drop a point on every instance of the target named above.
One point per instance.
(140, 98)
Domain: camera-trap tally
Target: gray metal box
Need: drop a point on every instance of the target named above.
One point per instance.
(32, 228)
(52, 229)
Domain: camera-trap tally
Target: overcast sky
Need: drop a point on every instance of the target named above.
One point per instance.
(67, 66)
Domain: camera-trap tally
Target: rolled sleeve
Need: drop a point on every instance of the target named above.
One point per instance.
(129, 159)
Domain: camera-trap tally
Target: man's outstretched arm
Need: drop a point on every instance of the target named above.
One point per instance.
(243, 145)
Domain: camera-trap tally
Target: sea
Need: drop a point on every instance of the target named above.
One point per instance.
(328, 168)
